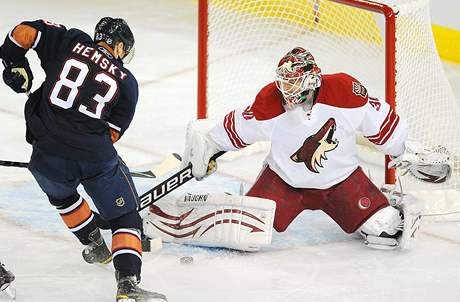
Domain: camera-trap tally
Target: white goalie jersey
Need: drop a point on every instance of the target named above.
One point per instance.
(317, 148)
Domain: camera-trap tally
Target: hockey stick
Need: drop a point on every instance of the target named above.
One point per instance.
(170, 184)
(169, 163)
(17, 164)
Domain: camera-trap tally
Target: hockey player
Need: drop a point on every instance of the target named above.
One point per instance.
(311, 120)
(83, 107)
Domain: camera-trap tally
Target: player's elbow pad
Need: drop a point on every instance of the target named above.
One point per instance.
(114, 135)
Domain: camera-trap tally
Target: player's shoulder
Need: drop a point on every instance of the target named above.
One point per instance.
(69, 37)
(268, 103)
(342, 90)
(55, 31)
(77, 34)
(42, 24)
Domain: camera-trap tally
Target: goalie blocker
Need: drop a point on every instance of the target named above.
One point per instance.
(236, 222)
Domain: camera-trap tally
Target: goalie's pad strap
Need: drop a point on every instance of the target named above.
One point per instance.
(237, 222)
(381, 243)
(412, 219)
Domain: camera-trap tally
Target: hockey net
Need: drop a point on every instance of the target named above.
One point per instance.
(387, 45)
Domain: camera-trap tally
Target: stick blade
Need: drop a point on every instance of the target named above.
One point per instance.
(170, 163)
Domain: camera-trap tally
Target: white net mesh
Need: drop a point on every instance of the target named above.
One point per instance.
(246, 38)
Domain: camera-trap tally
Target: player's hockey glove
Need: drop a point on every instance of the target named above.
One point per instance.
(432, 165)
(18, 75)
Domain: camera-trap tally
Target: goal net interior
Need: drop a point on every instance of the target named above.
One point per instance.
(387, 45)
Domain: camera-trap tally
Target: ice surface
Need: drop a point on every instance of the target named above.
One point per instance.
(313, 261)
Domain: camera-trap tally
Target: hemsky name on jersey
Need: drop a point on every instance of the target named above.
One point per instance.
(97, 56)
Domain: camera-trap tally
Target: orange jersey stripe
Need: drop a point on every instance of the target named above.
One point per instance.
(77, 216)
(24, 35)
(126, 241)
(114, 135)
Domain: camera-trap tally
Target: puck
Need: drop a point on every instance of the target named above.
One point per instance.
(186, 260)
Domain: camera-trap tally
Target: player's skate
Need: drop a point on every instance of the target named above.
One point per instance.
(97, 251)
(6, 277)
(128, 291)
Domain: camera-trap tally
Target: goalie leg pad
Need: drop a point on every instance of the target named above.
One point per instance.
(412, 220)
(236, 222)
(381, 229)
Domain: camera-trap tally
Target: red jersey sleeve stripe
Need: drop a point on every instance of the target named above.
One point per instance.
(240, 141)
(385, 122)
(390, 132)
(386, 130)
(229, 125)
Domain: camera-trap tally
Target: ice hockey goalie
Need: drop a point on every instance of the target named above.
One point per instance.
(311, 120)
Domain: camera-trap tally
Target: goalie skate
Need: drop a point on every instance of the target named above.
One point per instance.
(128, 291)
(398, 219)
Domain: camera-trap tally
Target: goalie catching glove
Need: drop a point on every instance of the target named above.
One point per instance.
(432, 165)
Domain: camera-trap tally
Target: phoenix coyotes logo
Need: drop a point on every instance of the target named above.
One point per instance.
(315, 147)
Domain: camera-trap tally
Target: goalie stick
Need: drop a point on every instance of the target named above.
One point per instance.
(170, 184)
(169, 163)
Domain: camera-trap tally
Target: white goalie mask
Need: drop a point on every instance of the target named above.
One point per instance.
(296, 74)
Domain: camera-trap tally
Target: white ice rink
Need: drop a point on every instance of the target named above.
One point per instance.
(313, 261)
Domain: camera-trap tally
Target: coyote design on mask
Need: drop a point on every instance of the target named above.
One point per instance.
(315, 147)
